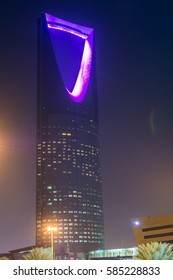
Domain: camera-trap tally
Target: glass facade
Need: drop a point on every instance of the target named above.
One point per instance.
(69, 193)
(114, 254)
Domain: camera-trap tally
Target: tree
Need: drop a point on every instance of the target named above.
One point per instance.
(4, 258)
(38, 254)
(154, 251)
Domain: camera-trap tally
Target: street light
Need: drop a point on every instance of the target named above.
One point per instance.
(52, 230)
(136, 223)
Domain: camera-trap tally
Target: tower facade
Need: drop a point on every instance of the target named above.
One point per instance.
(69, 192)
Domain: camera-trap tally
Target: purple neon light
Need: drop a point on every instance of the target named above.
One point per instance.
(82, 81)
(66, 29)
(57, 21)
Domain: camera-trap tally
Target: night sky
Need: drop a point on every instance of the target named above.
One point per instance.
(134, 56)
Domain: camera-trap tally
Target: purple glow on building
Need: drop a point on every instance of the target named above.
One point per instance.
(57, 21)
(66, 29)
(82, 81)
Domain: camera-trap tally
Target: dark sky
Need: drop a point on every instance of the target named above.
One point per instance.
(134, 49)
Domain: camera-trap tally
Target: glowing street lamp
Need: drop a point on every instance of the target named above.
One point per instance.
(52, 230)
(136, 223)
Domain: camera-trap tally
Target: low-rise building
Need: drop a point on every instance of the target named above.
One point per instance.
(153, 228)
(113, 254)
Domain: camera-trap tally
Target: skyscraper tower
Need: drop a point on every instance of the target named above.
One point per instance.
(69, 193)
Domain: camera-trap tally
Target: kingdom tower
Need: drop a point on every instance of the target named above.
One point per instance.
(69, 191)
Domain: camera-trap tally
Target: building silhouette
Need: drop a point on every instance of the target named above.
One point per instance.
(69, 192)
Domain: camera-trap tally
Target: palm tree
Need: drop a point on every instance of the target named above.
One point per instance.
(38, 254)
(4, 258)
(154, 251)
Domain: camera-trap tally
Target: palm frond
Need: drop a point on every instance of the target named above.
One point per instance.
(154, 251)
